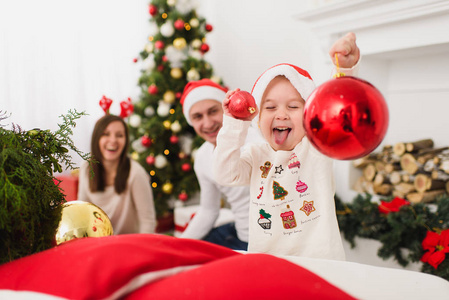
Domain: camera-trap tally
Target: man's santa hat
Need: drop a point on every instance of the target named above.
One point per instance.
(195, 91)
(298, 77)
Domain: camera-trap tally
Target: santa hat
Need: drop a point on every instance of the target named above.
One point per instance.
(204, 89)
(298, 77)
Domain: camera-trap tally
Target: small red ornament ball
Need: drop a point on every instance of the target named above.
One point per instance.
(135, 59)
(152, 9)
(159, 45)
(208, 27)
(153, 90)
(346, 118)
(150, 160)
(179, 24)
(204, 48)
(174, 139)
(242, 105)
(186, 167)
(146, 141)
(178, 95)
(160, 68)
(183, 196)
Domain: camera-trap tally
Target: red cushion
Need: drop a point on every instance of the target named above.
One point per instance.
(250, 276)
(94, 268)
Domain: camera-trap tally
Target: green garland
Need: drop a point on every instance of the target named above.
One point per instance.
(30, 201)
(404, 229)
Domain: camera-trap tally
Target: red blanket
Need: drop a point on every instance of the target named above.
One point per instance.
(143, 266)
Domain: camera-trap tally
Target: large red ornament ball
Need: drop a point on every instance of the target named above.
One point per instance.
(346, 118)
(242, 105)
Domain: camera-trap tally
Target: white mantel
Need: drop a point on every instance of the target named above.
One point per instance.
(384, 27)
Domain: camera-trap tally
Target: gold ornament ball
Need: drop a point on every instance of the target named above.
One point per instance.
(176, 73)
(179, 43)
(166, 124)
(196, 43)
(82, 219)
(169, 97)
(167, 188)
(193, 75)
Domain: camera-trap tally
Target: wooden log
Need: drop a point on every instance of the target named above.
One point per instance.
(429, 166)
(409, 163)
(408, 178)
(391, 167)
(436, 174)
(383, 189)
(424, 183)
(369, 172)
(380, 179)
(364, 161)
(404, 188)
(395, 177)
(426, 154)
(419, 145)
(380, 166)
(425, 197)
(399, 149)
(447, 187)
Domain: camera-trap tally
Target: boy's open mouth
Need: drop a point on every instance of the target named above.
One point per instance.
(281, 134)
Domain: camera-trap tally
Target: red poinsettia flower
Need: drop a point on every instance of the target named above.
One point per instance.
(105, 104)
(126, 108)
(436, 245)
(392, 206)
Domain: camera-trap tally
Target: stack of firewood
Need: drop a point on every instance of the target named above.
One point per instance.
(415, 171)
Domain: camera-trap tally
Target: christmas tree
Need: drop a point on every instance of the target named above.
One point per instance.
(161, 140)
(278, 191)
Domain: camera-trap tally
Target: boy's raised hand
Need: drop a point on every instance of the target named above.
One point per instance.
(347, 50)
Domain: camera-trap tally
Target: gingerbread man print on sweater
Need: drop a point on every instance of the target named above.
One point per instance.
(265, 169)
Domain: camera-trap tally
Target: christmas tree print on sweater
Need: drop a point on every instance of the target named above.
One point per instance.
(278, 191)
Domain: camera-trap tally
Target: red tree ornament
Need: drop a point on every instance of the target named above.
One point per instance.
(159, 45)
(105, 104)
(183, 196)
(208, 27)
(153, 90)
(242, 105)
(186, 167)
(179, 24)
(174, 139)
(152, 9)
(346, 118)
(204, 48)
(146, 141)
(126, 108)
(150, 160)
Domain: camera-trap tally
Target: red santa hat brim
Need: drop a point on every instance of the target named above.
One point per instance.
(298, 77)
(195, 91)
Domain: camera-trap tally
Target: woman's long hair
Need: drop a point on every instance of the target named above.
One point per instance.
(97, 183)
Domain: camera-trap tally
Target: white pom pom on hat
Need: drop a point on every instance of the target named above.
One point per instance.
(204, 89)
(298, 77)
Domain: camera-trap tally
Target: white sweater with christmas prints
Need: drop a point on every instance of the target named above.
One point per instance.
(292, 208)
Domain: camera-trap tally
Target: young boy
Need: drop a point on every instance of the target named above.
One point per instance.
(292, 210)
